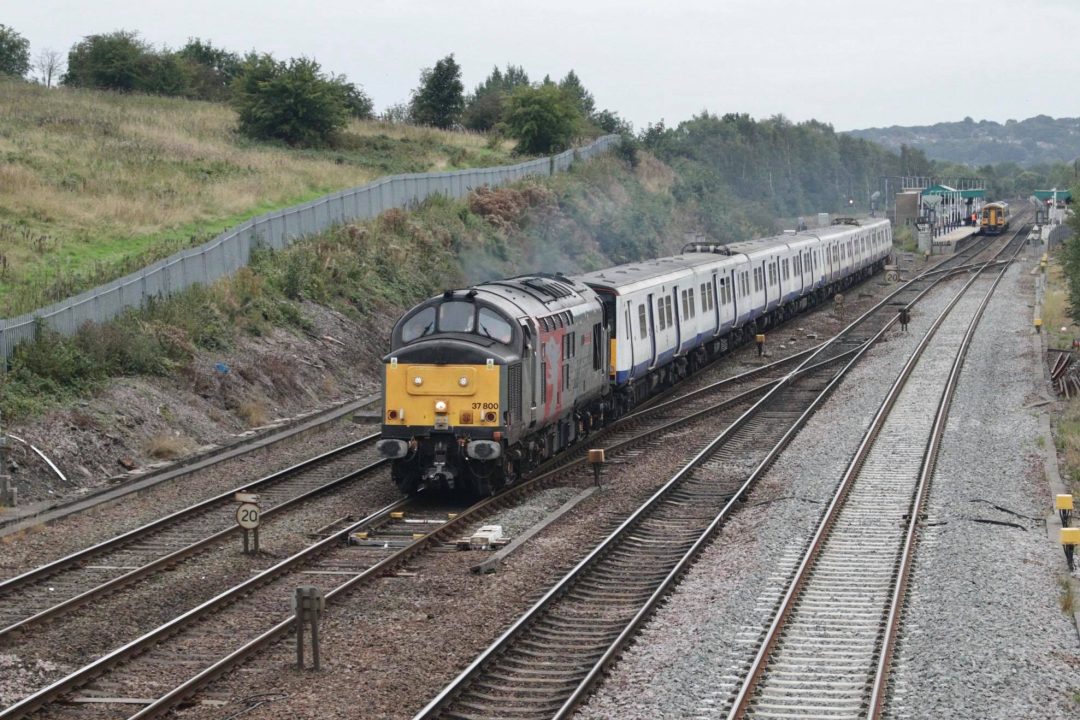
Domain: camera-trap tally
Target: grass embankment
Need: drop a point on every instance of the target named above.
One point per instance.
(1061, 330)
(94, 184)
(605, 211)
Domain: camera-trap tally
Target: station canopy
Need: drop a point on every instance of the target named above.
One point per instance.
(1044, 195)
(943, 190)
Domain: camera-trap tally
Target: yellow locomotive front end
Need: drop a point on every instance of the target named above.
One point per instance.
(444, 394)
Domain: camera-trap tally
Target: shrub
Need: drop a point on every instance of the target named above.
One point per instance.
(165, 447)
(14, 53)
(111, 61)
(294, 101)
(542, 119)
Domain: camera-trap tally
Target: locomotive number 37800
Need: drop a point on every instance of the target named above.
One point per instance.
(485, 406)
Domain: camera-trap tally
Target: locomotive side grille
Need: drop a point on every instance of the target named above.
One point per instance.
(514, 391)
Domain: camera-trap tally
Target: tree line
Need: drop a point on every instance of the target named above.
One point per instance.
(295, 101)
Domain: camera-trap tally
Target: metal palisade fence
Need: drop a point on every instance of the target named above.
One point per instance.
(231, 250)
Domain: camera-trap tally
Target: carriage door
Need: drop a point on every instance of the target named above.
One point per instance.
(678, 319)
(651, 330)
(532, 368)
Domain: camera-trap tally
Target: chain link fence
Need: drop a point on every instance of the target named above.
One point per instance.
(231, 250)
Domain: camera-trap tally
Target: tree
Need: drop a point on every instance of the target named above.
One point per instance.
(611, 122)
(583, 99)
(542, 119)
(49, 64)
(357, 101)
(14, 53)
(294, 102)
(110, 61)
(440, 98)
(211, 69)
(397, 114)
(484, 107)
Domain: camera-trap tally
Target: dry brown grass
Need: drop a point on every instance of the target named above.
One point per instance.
(88, 178)
(166, 447)
(253, 413)
(1055, 309)
(1068, 598)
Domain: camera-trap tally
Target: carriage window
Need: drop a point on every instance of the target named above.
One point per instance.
(494, 326)
(660, 313)
(667, 310)
(419, 325)
(641, 321)
(690, 301)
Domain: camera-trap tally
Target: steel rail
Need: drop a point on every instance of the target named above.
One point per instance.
(73, 561)
(446, 696)
(86, 674)
(881, 675)
(759, 663)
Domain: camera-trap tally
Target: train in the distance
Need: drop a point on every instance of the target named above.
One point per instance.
(994, 218)
(484, 383)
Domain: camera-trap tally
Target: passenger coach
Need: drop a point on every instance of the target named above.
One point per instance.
(485, 383)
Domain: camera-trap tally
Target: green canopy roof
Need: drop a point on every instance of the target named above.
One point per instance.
(946, 190)
(1049, 194)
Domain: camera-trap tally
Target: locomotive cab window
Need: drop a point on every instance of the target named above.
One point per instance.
(419, 325)
(456, 317)
(494, 326)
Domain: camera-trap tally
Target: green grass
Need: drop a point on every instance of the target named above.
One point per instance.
(97, 184)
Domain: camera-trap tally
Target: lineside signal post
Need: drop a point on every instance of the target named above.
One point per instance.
(248, 516)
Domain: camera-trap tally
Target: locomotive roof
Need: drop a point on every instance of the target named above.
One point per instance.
(535, 295)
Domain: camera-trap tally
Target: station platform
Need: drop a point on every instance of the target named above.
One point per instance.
(954, 240)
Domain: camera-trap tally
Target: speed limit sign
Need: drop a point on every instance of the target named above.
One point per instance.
(247, 516)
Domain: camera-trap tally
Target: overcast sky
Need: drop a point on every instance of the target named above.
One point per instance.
(853, 63)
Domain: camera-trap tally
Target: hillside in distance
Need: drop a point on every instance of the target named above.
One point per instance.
(1040, 139)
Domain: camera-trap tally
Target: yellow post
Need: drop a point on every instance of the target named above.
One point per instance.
(1070, 538)
(1064, 505)
(1038, 325)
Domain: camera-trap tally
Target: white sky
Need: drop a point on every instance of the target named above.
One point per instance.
(853, 63)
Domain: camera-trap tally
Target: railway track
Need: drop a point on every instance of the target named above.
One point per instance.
(828, 649)
(211, 639)
(315, 561)
(16, 520)
(49, 591)
(548, 660)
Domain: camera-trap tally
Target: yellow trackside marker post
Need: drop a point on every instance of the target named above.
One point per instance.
(418, 536)
(1064, 505)
(1038, 325)
(1070, 538)
(397, 515)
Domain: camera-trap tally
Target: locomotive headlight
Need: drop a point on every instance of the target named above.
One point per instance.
(463, 381)
(418, 380)
(440, 406)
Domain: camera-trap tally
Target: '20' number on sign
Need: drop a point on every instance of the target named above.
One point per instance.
(247, 516)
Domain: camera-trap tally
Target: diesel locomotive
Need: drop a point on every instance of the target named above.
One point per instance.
(484, 383)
